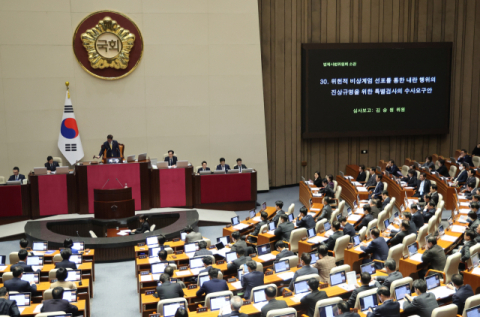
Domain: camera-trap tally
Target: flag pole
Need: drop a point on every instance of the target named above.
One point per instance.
(68, 88)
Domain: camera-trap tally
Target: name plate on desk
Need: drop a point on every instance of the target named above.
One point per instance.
(323, 285)
(142, 256)
(144, 272)
(304, 238)
(179, 252)
(54, 280)
(405, 257)
(154, 315)
(183, 268)
(252, 255)
(228, 226)
(141, 244)
(231, 280)
(287, 294)
(268, 273)
(220, 262)
(202, 310)
(192, 286)
(264, 231)
(349, 246)
(176, 239)
(212, 247)
(248, 218)
(299, 265)
(246, 302)
(150, 292)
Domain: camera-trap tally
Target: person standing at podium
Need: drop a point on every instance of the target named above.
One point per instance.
(172, 160)
(204, 167)
(144, 226)
(111, 146)
(51, 165)
(222, 166)
(16, 175)
(239, 165)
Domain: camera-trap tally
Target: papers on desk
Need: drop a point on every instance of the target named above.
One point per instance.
(190, 254)
(259, 306)
(37, 309)
(37, 267)
(476, 271)
(464, 211)
(220, 252)
(286, 276)
(156, 277)
(359, 211)
(153, 260)
(349, 177)
(314, 209)
(124, 232)
(347, 287)
(196, 271)
(391, 227)
(21, 309)
(257, 219)
(316, 240)
(237, 285)
(328, 233)
(412, 201)
(417, 257)
(354, 217)
(442, 292)
(462, 219)
(467, 204)
(240, 226)
(146, 278)
(409, 187)
(267, 257)
(2, 268)
(317, 195)
(362, 189)
(448, 238)
(461, 196)
(458, 229)
(271, 232)
(358, 249)
(297, 297)
(183, 273)
(357, 184)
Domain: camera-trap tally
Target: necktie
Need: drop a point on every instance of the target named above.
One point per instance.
(110, 146)
(170, 161)
(16, 178)
(240, 168)
(223, 168)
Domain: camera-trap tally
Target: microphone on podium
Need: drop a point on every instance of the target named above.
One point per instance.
(119, 182)
(106, 183)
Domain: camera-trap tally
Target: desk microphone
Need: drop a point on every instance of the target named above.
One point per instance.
(106, 183)
(119, 182)
(78, 234)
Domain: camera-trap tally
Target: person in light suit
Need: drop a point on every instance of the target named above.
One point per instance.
(377, 192)
(16, 175)
(222, 166)
(213, 285)
(422, 305)
(462, 292)
(111, 146)
(171, 159)
(251, 279)
(204, 167)
(51, 165)
(324, 264)
(239, 165)
(388, 308)
(192, 236)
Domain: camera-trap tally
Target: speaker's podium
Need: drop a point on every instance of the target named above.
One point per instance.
(113, 203)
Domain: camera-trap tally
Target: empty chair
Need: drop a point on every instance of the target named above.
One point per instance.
(259, 288)
(367, 176)
(381, 218)
(394, 253)
(282, 312)
(13, 257)
(385, 185)
(453, 171)
(291, 209)
(399, 282)
(407, 240)
(326, 302)
(335, 213)
(295, 237)
(92, 234)
(152, 227)
(170, 300)
(438, 218)
(422, 233)
(405, 169)
(335, 184)
(7, 276)
(389, 209)
(372, 291)
(2, 179)
(215, 294)
(340, 268)
(445, 311)
(472, 301)
(476, 161)
(292, 260)
(340, 246)
(57, 258)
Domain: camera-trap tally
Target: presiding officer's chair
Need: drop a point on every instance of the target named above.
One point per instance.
(2, 179)
(122, 150)
(58, 160)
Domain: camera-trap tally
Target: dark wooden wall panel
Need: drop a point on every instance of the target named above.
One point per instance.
(285, 24)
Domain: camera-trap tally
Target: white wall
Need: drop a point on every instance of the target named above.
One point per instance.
(198, 89)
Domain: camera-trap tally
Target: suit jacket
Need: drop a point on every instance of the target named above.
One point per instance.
(307, 269)
(353, 297)
(201, 169)
(212, 286)
(349, 229)
(388, 308)
(326, 213)
(473, 226)
(202, 252)
(284, 230)
(21, 177)
(377, 193)
(466, 250)
(460, 297)
(257, 228)
(273, 304)
(428, 165)
(277, 216)
(18, 285)
(443, 171)
(361, 177)
(379, 250)
(236, 167)
(143, 227)
(413, 228)
(9, 308)
(193, 236)
(26, 268)
(237, 263)
(52, 167)
(173, 162)
(309, 301)
(398, 238)
(466, 159)
(327, 191)
(374, 212)
(324, 266)
(219, 167)
(435, 258)
(349, 314)
(235, 314)
(435, 197)
(331, 240)
(426, 186)
(385, 203)
(111, 152)
(462, 177)
(412, 181)
(66, 264)
(393, 169)
(372, 181)
(251, 280)
(427, 214)
(51, 305)
(365, 221)
(285, 253)
(417, 218)
(239, 243)
(306, 222)
(317, 182)
(170, 290)
(422, 305)
(387, 280)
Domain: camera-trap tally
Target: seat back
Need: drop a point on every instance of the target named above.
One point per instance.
(259, 288)
(431, 225)
(335, 213)
(7, 276)
(52, 274)
(57, 258)
(152, 227)
(341, 207)
(451, 266)
(362, 233)
(338, 192)
(13, 257)
(370, 225)
(48, 294)
(259, 267)
(292, 260)
(215, 294)
(475, 249)
(405, 169)
(340, 268)
(433, 183)
(472, 301)
(445, 311)
(438, 218)
(58, 160)
(335, 184)
(407, 240)
(92, 234)
(325, 302)
(476, 161)
(381, 218)
(453, 171)
(318, 226)
(54, 313)
(340, 246)
(477, 180)
(168, 301)
(396, 253)
(441, 202)
(282, 312)
(385, 185)
(372, 291)
(437, 165)
(422, 233)
(291, 209)
(401, 281)
(307, 277)
(367, 176)
(295, 237)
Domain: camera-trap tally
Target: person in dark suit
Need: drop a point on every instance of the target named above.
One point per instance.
(237, 241)
(473, 221)
(463, 175)
(58, 303)
(16, 175)
(167, 289)
(327, 190)
(239, 261)
(182, 312)
(270, 294)
(413, 226)
(8, 307)
(337, 233)
(213, 285)
(16, 284)
(367, 217)
(417, 216)
(51, 165)
(464, 158)
(377, 192)
(471, 179)
(411, 178)
(385, 199)
(222, 166)
(361, 174)
(378, 248)
(306, 221)
(278, 211)
(429, 211)
(22, 257)
(111, 145)
(398, 238)
(470, 190)
(239, 165)
(393, 274)
(326, 212)
(207, 262)
(375, 205)
(469, 241)
(317, 180)
(372, 181)
(24, 245)
(236, 303)
(171, 159)
(442, 170)
(66, 253)
(391, 168)
(388, 307)
(253, 236)
(434, 194)
(423, 187)
(434, 257)
(365, 279)
(144, 226)
(202, 249)
(347, 227)
(422, 305)
(204, 167)
(462, 292)
(284, 229)
(309, 301)
(428, 162)
(344, 310)
(306, 269)
(251, 279)
(282, 251)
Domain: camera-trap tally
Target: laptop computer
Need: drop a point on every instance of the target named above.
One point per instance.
(433, 281)
(368, 301)
(74, 275)
(337, 278)
(78, 245)
(76, 258)
(3, 259)
(281, 266)
(131, 158)
(264, 205)
(327, 226)
(219, 245)
(40, 171)
(202, 279)
(70, 295)
(368, 267)
(142, 157)
(14, 182)
(241, 273)
(225, 240)
(162, 164)
(386, 222)
(61, 170)
(356, 240)
(35, 261)
(441, 230)
(412, 249)
(40, 246)
(153, 252)
(182, 163)
(158, 268)
(290, 217)
(31, 277)
(196, 264)
(349, 211)
(311, 232)
(152, 241)
(473, 311)
(301, 289)
(183, 236)
(271, 226)
(114, 160)
(247, 170)
(218, 302)
(264, 249)
(259, 296)
(252, 213)
(475, 260)
(328, 311)
(205, 172)
(230, 256)
(170, 309)
(433, 286)
(191, 247)
(22, 299)
(314, 256)
(235, 220)
(219, 172)
(401, 291)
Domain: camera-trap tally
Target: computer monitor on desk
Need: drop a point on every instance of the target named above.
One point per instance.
(170, 309)
(13, 183)
(131, 158)
(142, 157)
(182, 163)
(205, 173)
(162, 164)
(328, 311)
(40, 171)
(247, 170)
(61, 170)
(22, 299)
(219, 172)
